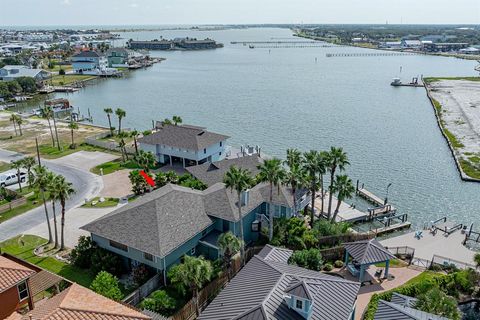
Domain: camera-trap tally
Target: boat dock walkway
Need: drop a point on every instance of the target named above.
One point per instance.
(346, 212)
(368, 54)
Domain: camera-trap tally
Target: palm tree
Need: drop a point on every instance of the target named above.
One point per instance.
(193, 273)
(345, 189)
(120, 114)
(56, 133)
(13, 118)
(17, 165)
(322, 170)
(145, 160)
(239, 179)
(19, 121)
(63, 190)
(109, 111)
(271, 171)
(167, 121)
(229, 245)
(295, 178)
(337, 159)
(28, 163)
(51, 180)
(312, 164)
(73, 126)
(122, 145)
(40, 182)
(134, 134)
(294, 158)
(47, 113)
(177, 120)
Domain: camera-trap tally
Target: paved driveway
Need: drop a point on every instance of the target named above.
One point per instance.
(74, 219)
(85, 160)
(116, 184)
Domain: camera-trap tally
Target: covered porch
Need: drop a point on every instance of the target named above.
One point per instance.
(360, 255)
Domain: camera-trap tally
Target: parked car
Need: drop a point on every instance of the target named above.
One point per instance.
(10, 177)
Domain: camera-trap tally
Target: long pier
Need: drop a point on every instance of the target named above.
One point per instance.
(368, 54)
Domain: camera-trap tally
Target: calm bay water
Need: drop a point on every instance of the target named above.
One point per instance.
(283, 98)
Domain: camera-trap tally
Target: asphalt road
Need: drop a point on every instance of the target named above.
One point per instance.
(86, 185)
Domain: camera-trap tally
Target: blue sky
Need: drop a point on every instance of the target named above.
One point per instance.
(130, 12)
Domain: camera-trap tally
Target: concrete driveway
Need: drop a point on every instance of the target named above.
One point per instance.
(74, 219)
(85, 160)
(116, 184)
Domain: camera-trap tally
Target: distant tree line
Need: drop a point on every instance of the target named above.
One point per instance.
(25, 85)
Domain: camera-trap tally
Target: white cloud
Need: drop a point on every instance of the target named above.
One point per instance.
(133, 5)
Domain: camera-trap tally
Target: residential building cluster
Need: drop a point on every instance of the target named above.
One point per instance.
(175, 44)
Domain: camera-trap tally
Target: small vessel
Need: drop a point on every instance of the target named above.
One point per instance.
(251, 46)
(396, 82)
(57, 105)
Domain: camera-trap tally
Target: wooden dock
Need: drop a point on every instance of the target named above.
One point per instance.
(414, 85)
(370, 197)
(392, 228)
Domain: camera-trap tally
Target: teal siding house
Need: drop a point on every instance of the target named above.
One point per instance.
(161, 227)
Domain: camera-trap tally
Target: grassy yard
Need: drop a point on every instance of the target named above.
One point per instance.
(115, 165)
(23, 246)
(68, 79)
(48, 151)
(56, 68)
(109, 202)
(33, 201)
(396, 263)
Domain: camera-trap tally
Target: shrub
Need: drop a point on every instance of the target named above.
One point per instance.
(81, 255)
(140, 274)
(437, 302)
(328, 267)
(103, 260)
(326, 228)
(106, 284)
(61, 72)
(338, 264)
(309, 258)
(159, 301)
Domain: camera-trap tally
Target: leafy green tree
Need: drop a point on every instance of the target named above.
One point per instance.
(337, 159)
(160, 302)
(14, 87)
(4, 91)
(107, 285)
(139, 185)
(18, 165)
(326, 228)
(476, 258)
(120, 115)
(239, 179)
(40, 183)
(109, 111)
(103, 260)
(190, 276)
(145, 160)
(28, 84)
(344, 188)
(61, 72)
(309, 259)
(229, 245)
(63, 190)
(81, 255)
(193, 184)
(272, 172)
(437, 302)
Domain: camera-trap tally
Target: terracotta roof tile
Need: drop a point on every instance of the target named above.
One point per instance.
(12, 273)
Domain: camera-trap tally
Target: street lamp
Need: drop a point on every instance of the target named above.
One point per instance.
(386, 196)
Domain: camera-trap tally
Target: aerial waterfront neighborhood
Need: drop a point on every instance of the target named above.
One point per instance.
(322, 170)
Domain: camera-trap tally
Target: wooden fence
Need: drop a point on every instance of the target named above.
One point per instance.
(12, 204)
(144, 290)
(106, 144)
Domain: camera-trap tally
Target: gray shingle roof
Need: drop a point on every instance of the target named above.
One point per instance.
(272, 253)
(368, 251)
(389, 310)
(184, 137)
(403, 300)
(211, 173)
(157, 223)
(258, 292)
(85, 54)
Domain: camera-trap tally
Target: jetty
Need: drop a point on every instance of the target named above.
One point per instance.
(368, 54)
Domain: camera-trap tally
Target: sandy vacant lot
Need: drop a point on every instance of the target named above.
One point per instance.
(460, 112)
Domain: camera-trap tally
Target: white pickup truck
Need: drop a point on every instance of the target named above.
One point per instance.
(8, 178)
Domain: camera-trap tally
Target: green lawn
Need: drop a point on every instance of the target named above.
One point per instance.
(22, 247)
(4, 166)
(109, 202)
(33, 201)
(115, 165)
(68, 79)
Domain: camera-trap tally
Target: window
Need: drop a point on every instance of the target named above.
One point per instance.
(221, 142)
(118, 246)
(299, 304)
(148, 256)
(22, 290)
(205, 150)
(255, 226)
(219, 153)
(192, 252)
